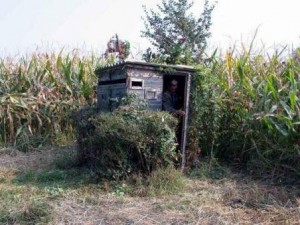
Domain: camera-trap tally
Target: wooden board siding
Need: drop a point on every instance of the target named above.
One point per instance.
(109, 95)
(147, 81)
(140, 93)
(115, 74)
(133, 72)
(104, 76)
(111, 88)
(152, 86)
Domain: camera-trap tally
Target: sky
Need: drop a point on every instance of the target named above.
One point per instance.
(27, 25)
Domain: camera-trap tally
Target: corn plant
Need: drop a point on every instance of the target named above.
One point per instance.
(246, 108)
(38, 93)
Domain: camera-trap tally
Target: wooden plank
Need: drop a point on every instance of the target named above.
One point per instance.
(112, 75)
(111, 92)
(154, 105)
(102, 98)
(104, 76)
(185, 120)
(118, 74)
(140, 93)
(153, 84)
(138, 73)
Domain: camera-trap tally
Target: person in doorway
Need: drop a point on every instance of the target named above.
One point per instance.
(170, 99)
(171, 104)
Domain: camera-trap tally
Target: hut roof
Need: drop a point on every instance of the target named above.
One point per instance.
(142, 64)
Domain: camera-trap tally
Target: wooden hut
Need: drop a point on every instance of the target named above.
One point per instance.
(148, 81)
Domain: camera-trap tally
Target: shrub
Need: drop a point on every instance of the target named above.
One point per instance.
(125, 141)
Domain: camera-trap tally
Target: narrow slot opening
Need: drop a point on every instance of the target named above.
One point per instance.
(138, 84)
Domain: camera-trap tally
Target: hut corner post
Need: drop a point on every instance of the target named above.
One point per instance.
(185, 121)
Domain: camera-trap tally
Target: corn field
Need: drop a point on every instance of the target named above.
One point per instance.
(38, 94)
(246, 109)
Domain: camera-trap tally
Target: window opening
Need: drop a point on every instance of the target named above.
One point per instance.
(136, 84)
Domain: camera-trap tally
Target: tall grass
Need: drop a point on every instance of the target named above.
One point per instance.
(38, 92)
(246, 108)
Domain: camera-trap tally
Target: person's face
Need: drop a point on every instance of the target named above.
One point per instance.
(173, 88)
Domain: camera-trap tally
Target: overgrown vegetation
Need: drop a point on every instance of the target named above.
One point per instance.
(38, 93)
(126, 141)
(166, 181)
(246, 110)
(245, 107)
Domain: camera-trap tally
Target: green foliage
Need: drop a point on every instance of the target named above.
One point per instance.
(163, 181)
(35, 212)
(127, 49)
(65, 161)
(126, 141)
(41, 177)
(209, 169)
(120, 190)
(39, 92)
(177, 35)
(245, 109)
(166, 181)
(28, 176)
(51, 176)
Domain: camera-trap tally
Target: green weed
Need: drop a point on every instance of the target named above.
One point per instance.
(166, 181)
(51, 176)
(26, 177)
(209, 169)
(32, 213)
(66, 161)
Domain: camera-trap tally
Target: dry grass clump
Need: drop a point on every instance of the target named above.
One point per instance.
(202, 202)
(166, 181)
(32, 212)
(163, 181)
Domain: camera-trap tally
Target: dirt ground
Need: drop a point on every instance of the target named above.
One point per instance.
(233, 200)
(36, 160)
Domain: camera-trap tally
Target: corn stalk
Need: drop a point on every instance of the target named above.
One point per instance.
(39, 92)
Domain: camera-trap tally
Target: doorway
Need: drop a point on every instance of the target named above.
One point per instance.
(182, 104)
(181, 93)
